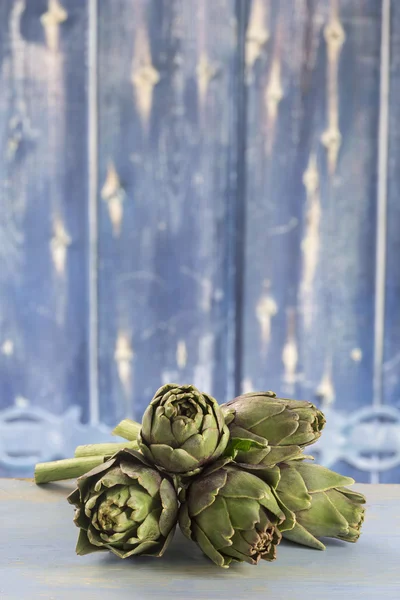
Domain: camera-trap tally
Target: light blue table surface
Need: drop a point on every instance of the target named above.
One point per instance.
(37, 559)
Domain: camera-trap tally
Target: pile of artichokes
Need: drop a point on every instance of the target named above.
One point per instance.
(234, 476)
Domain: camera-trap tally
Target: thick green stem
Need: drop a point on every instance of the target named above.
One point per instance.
(103, 449)
(128, 429)
(70, 468)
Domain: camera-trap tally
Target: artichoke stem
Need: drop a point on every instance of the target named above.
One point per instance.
(128, 429)
(69, 468)
(103, 449)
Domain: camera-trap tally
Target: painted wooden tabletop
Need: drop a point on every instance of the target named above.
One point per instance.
(37, 559)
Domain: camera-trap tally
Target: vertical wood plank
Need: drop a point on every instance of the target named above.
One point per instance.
(93, 229)
(391, 364)
(167, 139)
(313, 106)
(43, 301)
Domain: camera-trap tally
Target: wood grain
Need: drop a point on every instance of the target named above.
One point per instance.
(391, 359)
(166, 177)
(198, 191)
(313, 107)
(39, 562)
(43, 228)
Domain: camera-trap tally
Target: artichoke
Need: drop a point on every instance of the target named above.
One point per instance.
(265, 422)
(233, 515)
(315, 494)
(182, 430)
(126, 506)
(323, 507)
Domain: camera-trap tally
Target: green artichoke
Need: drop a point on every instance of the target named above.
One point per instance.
(182, 430)
(263, 421)
(233, 515)
(126, 506)
(315, 494)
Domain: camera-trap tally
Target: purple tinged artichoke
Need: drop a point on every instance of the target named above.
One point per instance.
(233, 515)
(182, 430)
(125, 506)
(322, 506)
(271, 426)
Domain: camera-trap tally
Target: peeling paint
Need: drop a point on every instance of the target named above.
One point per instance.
(7, 348)
(325, 390)
(310, 244)
(247, 385)
(290, 354)
(59, 246)
(356, 354)
(205, 73)
(257, 34)
(15, 32)
(51, 21)
(207, 287)
(266, 309)
(335, 37)
(203, 370)
(15, 136)
(21, 402)
(273, 97)
(19, 125)
(123, 356)
(144, 76)
(181, 354)
(113, 193)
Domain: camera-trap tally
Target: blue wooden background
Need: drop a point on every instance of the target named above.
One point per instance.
(199, 191)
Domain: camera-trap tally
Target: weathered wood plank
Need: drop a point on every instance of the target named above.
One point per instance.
(169, 141)
(43, 304)
(166, 175)
(391, 364)
(39, 562)
(313, 106)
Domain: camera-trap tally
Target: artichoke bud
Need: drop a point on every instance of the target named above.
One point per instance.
(183, 430)
(125, 506)
(322, 505)
(233, 515)
(261, 416)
